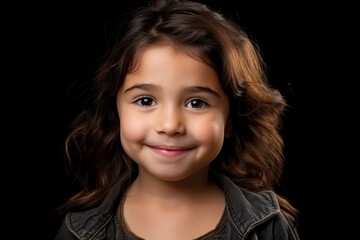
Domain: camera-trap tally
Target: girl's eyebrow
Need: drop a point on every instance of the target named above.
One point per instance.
(142, 86)
(197, 89)
(192, 89)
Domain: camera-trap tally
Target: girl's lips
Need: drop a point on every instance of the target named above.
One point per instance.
(170, 151)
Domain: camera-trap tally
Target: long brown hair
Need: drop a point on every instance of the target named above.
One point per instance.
(252, 156)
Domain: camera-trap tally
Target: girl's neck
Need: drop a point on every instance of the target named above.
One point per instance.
(186, 209)
(146, 185)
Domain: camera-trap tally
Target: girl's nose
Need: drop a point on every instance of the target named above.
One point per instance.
(170, 121)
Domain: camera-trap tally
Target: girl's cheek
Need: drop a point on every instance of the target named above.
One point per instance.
(132, 129)
(209, 131)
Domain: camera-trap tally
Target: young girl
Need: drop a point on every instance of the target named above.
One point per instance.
(180, 137)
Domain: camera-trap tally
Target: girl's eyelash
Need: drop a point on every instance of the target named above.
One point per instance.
(197, 103)
(144, 101)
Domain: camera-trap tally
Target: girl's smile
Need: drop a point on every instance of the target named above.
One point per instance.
(170, 152)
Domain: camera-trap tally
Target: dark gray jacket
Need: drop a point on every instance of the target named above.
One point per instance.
(251, 216)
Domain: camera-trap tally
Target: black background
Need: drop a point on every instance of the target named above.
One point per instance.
(52, 50)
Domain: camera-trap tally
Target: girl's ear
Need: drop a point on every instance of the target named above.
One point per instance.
(229, 129)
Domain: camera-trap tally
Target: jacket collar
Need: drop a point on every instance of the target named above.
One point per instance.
(86, 224)
(247, 209)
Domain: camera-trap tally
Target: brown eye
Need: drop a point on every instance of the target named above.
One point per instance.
(145, 101)
(196, 103)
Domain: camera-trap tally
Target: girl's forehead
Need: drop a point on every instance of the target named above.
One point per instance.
(165, 59)
(177, 49)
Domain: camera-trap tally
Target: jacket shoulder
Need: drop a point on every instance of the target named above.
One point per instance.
(93, 222)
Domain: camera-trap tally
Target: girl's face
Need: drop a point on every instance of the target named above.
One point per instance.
(173, 113)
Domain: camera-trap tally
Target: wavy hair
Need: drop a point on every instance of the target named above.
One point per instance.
(252, 156)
